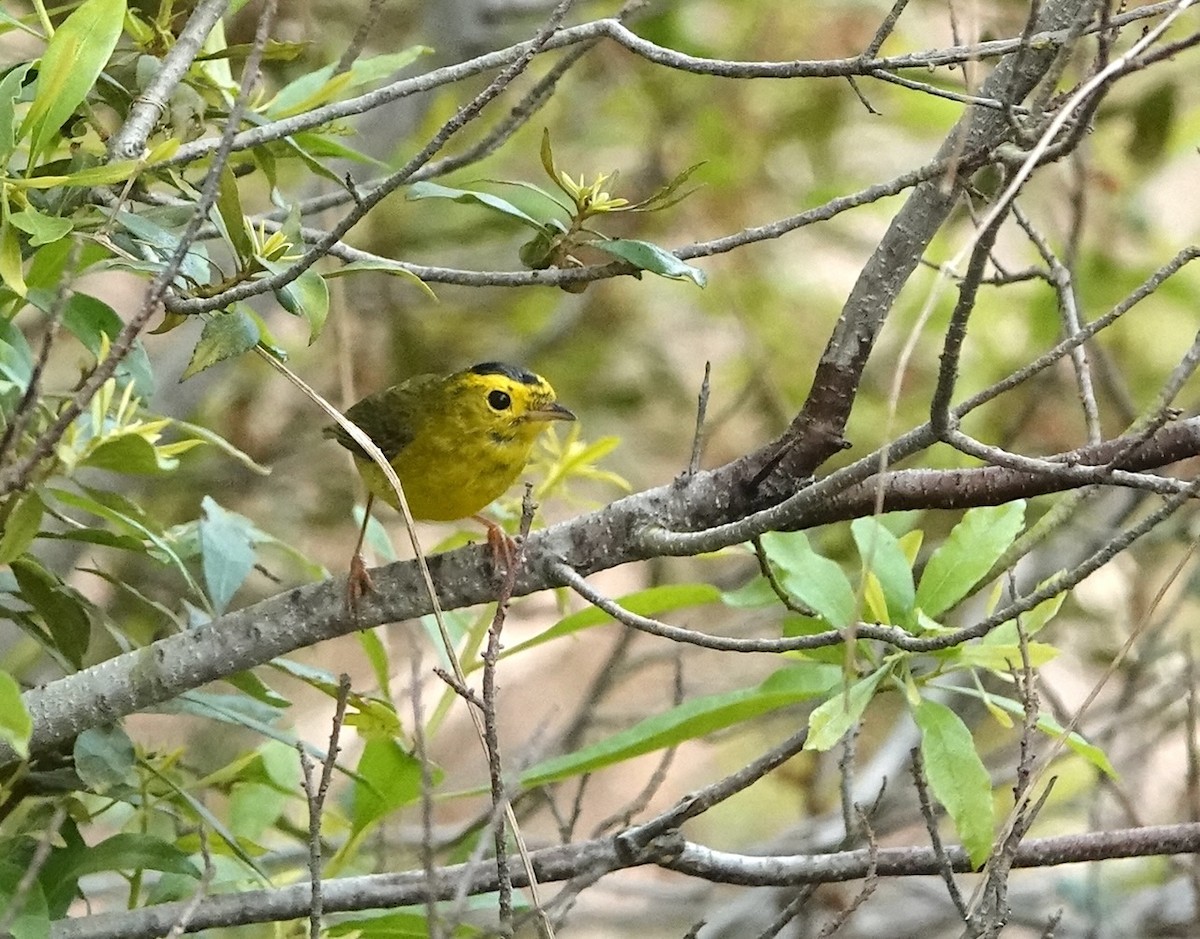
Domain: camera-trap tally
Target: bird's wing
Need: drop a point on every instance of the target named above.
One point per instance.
(388, 417)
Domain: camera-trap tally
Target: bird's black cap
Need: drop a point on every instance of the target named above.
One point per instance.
(516, 373)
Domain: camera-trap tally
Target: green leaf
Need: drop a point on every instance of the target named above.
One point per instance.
(1032, 621)
(226, 552)
(882, 554)
(794, 625)
(388, 778)
(322, 86)
(232, 218)
(21, 527)
(382, 266)
(41, 229)
(254, 807)
(63, 611)
(104, 174)
(650, 602)
(829, 722)
(201, 432)
(129, 517)
(427, 190)
(103, 757)
(307, 296)
(16, 361)
(33, 920)
(1002, 658)
(1047, 725)
(223, 337)
(690, 720)
(10, 92)
(957, 776)
(16, 726)
(131, 852)
(754, 593)
(101, 537)
(309, 145)
(130, 453)
(12, 269)
(967, 554)
(815, 580)
(73, 60)
(91, 320)
(650, 257)
(397, 924)
(376, 653)
(251, 684)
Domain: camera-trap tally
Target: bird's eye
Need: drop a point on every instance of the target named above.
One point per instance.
(499, 400)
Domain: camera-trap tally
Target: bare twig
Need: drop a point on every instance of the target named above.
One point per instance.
(25, 407)
(420, 751)
(701, 411)
(180, 926)
(315, 792)
(870, 882)
(945, 864)
(361, 36)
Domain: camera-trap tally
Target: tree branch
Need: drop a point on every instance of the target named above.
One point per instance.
(562, 863)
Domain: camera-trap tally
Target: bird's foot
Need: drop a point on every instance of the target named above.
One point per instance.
(502, 545)
(358, 584)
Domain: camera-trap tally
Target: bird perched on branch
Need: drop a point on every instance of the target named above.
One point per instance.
(456, 442)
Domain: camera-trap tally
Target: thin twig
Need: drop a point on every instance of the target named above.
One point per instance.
(25, 407)
(701, 411)
(616, 31)
(1060, 278)
(179, 927)
(886, 27)
(420, 751)
(945, 865)
(361, 36)
(870, 882)
(491, 734)
(315, 793)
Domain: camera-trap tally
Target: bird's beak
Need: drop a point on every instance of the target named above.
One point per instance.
(551, 412)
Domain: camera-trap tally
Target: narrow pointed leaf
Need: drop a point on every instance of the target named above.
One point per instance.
(73, 60)
(690, 720)
(957, 776)
(650, 257)
(967, 554)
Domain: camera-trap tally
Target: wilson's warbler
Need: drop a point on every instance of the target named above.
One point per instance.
(455, 441)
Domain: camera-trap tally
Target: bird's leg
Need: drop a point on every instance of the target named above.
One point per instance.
(504, 549)
(358, 583)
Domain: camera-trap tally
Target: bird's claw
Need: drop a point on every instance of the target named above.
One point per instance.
(504, 549)
(358, 584)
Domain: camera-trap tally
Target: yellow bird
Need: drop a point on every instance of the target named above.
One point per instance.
(457, 442)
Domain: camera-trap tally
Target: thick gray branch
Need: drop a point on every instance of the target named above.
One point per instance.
(631, 529)
(382, 891)
(815, 434)
(130, 139)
